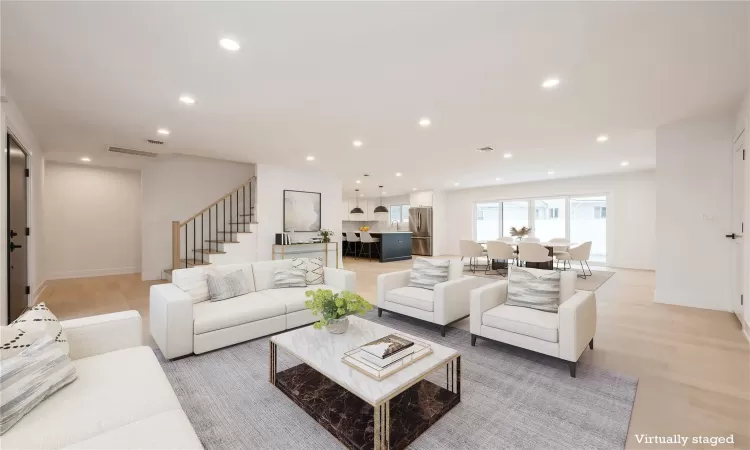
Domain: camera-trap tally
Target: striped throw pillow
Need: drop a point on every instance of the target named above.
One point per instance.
(229, 286)
(29, 377)
(536, 292)
(287, 278)
(426, 273)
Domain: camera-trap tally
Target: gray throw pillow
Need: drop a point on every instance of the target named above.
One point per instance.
(229, 286)
(427, 273)
(289, 277)
(536, 292)
(31, 376)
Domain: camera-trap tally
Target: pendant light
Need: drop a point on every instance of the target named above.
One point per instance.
(381, 208)
(357, 209)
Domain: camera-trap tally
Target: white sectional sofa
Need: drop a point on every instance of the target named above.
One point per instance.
(184, 321)
(121, 398)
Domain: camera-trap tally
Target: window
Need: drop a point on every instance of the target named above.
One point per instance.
(488, 221)
(399, 213)
(515, 214)
(600, 212)
(551, 224)
(585, 224)
(554, 213)
(539, 214)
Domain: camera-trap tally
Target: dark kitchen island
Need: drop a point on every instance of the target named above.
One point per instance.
(394, 245)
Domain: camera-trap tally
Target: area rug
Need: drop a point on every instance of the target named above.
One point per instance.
(510, 399)
(590, 283)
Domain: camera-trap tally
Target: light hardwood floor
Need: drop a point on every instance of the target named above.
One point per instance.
(693, 365)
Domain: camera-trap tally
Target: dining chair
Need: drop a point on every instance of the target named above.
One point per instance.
(580, 253)
(351, 243)
(507, 239)
(499, 250)
(561, 248)
(472, 250)
(533, 252)
(531, 239)
(366, 238)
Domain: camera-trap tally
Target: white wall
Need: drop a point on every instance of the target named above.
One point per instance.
(694, 209)
(630, 212)
(175, 188)
(272, 181)
(92, 221)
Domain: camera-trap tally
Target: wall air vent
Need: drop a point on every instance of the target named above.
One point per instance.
(154, 141)
(485, 149)
(129, 151)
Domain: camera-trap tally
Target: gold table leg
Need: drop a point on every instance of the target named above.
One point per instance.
(272, 363)
(382, 426)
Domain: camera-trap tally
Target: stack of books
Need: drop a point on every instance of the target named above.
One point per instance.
(387, 350)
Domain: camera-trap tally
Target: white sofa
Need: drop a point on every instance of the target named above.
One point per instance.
(563, 335)
(184, 321)
(447, 303)
(121, 398)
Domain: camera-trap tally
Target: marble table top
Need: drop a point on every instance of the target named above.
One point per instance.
(323, 352)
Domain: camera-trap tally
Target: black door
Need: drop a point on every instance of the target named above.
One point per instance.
(17, 225)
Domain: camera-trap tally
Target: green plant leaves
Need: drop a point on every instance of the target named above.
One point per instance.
(323, 302)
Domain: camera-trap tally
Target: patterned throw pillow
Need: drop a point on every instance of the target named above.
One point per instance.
(229, 286)
(427, 273)
(31, 376)
(314, 271)
(530, 291)
(286, 278)
(28, 328)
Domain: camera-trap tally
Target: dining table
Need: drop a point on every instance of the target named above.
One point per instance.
(549, 265)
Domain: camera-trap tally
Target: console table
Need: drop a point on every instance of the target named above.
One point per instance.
(328, 251)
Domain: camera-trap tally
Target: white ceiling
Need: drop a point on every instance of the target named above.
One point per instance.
(311, 77)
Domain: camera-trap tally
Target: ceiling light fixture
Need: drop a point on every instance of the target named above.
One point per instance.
(456, 183)
(357, 143)
(498, 179)
(163, 131)
(380, 208)
(310, 158)
(550, 83)
(551, 172)
(602, 138)
(356, 209)
(624, 163)
(186, 99)
(358, 181)
(507, 155)
(229, 44)
(414, 189)
(425, 122)
(86, 159)
(398, 174)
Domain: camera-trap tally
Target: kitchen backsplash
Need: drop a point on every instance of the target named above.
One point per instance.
(353, 225)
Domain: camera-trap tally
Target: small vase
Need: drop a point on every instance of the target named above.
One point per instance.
(326, 240)
(338, 326)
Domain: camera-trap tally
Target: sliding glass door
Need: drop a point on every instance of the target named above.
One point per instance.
(588, 222)
(549, 219)
(488, 221)
(515, 215)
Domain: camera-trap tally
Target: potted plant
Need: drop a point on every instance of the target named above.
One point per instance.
(335, 308)
(326, 234)
(520, 233)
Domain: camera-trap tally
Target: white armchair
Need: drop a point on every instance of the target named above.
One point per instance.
(563, 335)
(447, 303)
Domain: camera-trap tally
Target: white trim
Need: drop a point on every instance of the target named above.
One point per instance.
(93, 273)
(33, 299)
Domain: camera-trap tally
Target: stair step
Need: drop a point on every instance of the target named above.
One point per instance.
(169, 271)
(223, 242)
(210, 252)
(235, 232)
(240, 223)
(195, 262)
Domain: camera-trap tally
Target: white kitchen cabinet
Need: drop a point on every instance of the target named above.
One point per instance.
(345, 210)
(420, 198)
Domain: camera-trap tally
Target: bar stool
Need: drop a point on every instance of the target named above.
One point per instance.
(369, 240)
(351, 243)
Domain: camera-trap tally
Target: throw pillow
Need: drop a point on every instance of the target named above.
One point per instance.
(31, 376)
(426, 273)
(229, 286)
(536, 292)
(314, 271)
(29, 327)
(291, 277)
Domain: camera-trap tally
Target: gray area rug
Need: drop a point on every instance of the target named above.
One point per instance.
(510, 399)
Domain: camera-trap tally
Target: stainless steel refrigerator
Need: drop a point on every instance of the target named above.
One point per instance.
(420, 225)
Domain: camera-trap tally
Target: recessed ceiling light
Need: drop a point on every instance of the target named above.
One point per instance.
(229, 44)
(163, 131)
(186, 99)
(551, 172)
(358, 181)
(498, 179)
(602, 138)
(398, 174)
(550, 83)
(310, 158)
(425, 122)
(86, 159)
(507, 155)
(357, 143)
(456, 183)
(383, 193)
(624, 163)
(361, 195)
(414, 189)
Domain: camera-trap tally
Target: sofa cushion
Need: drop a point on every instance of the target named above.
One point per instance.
(411, 296)
(113, 390)
(263, 272)
(526, 321)
(28, 328)
(193, 282)
(289, 278)
(211, 316)
(294, 298)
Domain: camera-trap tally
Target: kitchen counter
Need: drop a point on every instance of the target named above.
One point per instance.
(394, 245)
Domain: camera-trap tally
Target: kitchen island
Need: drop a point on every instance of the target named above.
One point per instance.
(394, 245)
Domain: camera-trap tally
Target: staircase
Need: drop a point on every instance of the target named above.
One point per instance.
(221, 233)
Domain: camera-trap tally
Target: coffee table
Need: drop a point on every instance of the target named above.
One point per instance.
(361, 412)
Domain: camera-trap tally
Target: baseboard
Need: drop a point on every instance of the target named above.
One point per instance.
(746, 331)
(676, 300)
(38, 292)
(93, 273)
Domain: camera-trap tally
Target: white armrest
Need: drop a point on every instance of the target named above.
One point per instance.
(346, 280)
(94, 335)
(390, 281)
(452, 298)
(483, 299)
(171, 320)
(577, 317)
